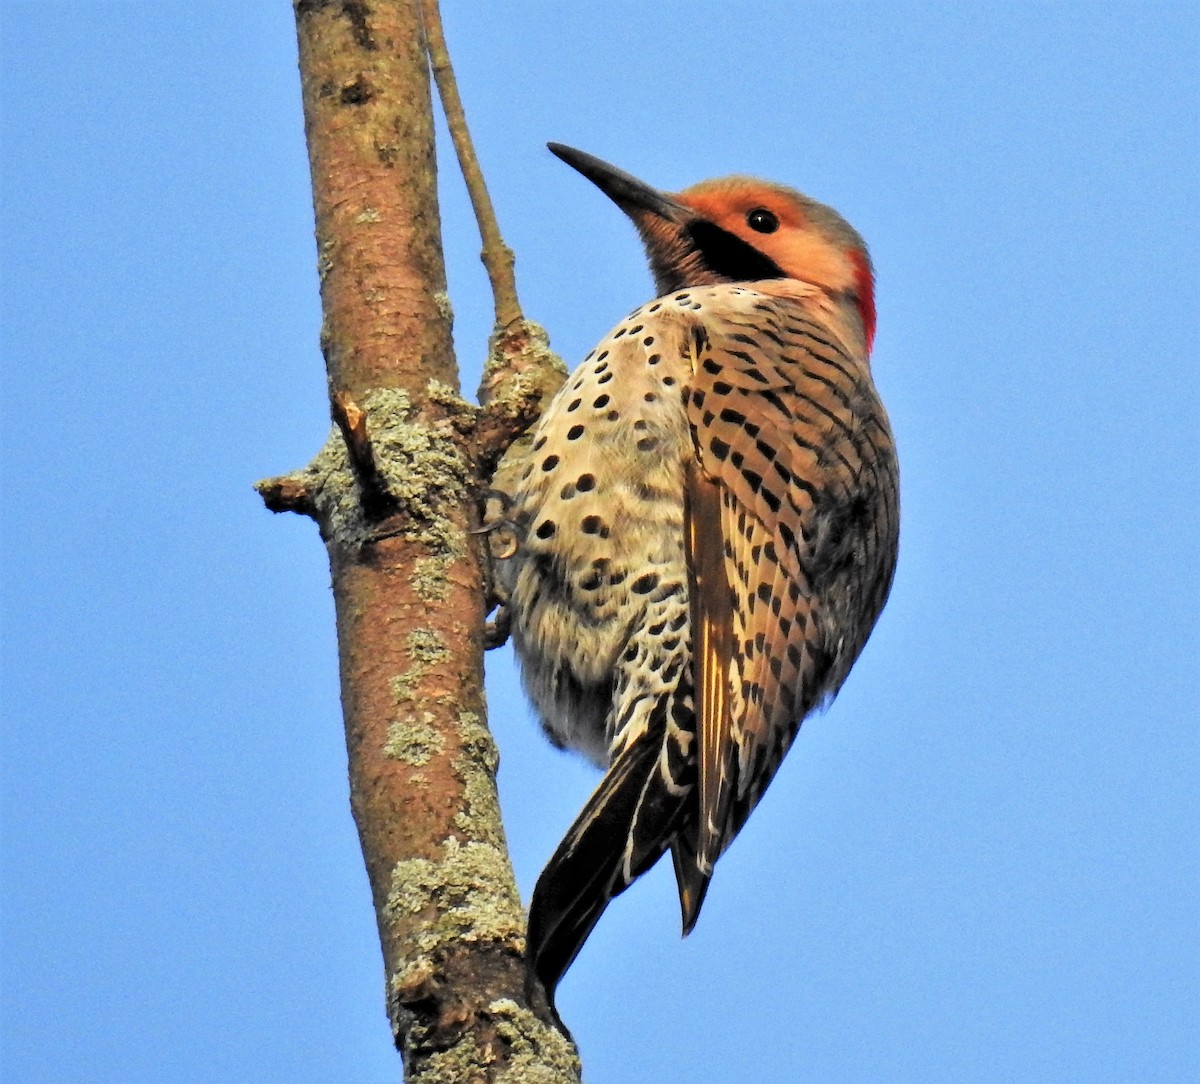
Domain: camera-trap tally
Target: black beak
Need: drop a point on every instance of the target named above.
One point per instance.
(634, 197)
(683, 248)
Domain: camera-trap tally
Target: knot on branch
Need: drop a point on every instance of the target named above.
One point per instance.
(519, 353)
(521, 375)
(386, 470)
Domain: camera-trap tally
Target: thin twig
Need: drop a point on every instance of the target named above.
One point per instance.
(497, 256)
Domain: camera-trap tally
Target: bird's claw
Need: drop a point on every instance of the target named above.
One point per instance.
(495, 632)
(500, 530)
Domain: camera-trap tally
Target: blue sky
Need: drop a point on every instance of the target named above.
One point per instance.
(980, 864)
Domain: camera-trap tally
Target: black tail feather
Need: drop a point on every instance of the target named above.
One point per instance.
(692, 882)
(622, 831)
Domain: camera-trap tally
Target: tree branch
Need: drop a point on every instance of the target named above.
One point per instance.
(496, 255)
(393, 491)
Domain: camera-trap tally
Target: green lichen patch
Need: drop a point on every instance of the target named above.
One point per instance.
(426, 648)
(534, 1053)
(414, 741)
(477, 741)
(464, 1061)
(476, 766)
(325, 260)
(445, 395)
(420, 461)
(441, 299)
(468, 895)
(462, 413)
(539, 1054)
(429, 577)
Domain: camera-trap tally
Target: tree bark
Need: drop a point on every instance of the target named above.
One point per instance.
(394, 492)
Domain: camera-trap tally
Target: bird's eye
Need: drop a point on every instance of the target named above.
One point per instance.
(762, 220)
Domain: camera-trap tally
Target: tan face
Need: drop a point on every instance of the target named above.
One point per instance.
(775, 222)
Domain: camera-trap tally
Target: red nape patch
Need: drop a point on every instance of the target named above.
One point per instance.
(864, 283)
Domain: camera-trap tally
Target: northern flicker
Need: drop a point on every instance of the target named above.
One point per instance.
(707, 531)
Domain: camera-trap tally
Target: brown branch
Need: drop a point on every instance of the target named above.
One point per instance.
(496, 255)
(287, 493)
(408, 591)
(351, 419)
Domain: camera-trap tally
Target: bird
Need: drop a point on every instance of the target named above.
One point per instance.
(706, 528)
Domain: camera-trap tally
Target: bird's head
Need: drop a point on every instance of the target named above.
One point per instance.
(739, 229)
